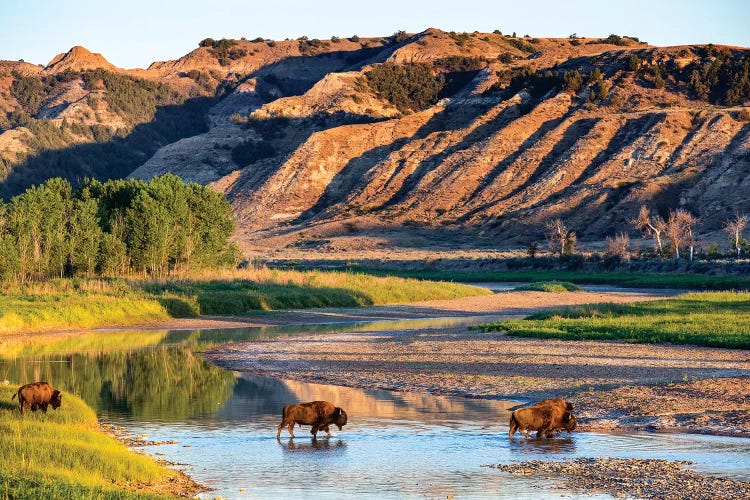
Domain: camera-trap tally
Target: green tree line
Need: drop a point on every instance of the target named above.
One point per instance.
(114, 228)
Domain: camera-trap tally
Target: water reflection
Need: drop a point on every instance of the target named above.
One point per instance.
(159, 384)
(312, 445)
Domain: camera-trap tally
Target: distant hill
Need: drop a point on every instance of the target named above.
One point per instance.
(480, 135)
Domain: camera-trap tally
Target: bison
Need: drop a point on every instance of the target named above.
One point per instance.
(38, 395)
(319, 414)
(544, 417)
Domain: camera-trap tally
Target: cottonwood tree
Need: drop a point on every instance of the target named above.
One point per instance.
(651, 226)
(680, 231)
(734, 227)
(561, 240)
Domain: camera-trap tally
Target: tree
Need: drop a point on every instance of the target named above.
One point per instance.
(532, 249)
(680, 231)
(85, 235)
(618, 247)
(10, 261)
(560, 239)
(734, 227)
(651, 226)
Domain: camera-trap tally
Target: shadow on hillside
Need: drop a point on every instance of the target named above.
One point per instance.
(119, 156)
(115, 158)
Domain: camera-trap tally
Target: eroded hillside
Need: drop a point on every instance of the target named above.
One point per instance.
(477, 134)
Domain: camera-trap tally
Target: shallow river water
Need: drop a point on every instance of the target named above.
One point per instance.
(395, 445)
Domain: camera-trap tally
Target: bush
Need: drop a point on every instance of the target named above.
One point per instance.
(521, 45)
(634, 62)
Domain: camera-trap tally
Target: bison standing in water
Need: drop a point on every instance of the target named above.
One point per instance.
(38, 395)
(544, 417)
(319, 414)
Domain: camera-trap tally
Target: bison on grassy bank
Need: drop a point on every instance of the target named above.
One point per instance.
(319, 414)
(545, 417)
(38, 395)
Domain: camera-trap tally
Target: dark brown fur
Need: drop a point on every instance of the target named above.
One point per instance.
(319, 414)
(38, 396)
(544, 417)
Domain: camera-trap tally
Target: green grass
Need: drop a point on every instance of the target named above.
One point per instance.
(63, 454)
(634, 280)
(714, 319)
(549, 286)
(80, 304)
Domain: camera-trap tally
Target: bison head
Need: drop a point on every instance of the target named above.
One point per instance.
(56, 399)
(569, 421)
(339, 417)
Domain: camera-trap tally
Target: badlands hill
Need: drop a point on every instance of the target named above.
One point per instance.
(480, 136)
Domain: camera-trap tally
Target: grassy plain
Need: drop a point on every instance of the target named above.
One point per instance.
(712, 319)
(80, 303)
(63, 454)
(634, 280)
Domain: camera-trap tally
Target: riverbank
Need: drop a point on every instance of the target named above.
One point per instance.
(631, 478)
(74, 304)
(613, 385)
(65, 453)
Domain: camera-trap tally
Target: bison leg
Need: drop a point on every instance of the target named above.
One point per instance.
(512, 428)
(283, 424)
(327, 430)
(291, 428)
(43, 406)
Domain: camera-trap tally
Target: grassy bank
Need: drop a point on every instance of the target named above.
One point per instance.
(714, 319)
(75, 303)
(63, 454)
(549, 286)
(634, 280)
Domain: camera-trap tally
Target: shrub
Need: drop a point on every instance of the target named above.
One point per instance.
(354, 38)
(634, 62)
(399, 36)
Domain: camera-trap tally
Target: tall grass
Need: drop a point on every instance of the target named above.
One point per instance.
(715, 319)
(549, 286)
(77, 303)
(638, 280)
(63, 454)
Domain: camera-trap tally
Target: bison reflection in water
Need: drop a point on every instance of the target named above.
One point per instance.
(319, 414)
(314, 445)
(545, 417)
(38, 396)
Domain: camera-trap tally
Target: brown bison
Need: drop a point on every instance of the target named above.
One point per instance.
(319, 414)
(38, 396)
(545, 417)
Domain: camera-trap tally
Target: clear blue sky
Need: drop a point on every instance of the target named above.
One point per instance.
(133, 33)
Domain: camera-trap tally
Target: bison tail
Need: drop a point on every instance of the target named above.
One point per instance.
(513, 426)
(13, 396)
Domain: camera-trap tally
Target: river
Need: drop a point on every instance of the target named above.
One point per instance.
(156, 384)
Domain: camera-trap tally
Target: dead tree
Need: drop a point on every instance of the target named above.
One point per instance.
(618, 247)
(561, 240)
(734, 227)
(651, 226)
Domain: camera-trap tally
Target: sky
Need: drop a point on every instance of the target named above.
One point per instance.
(134, 33)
